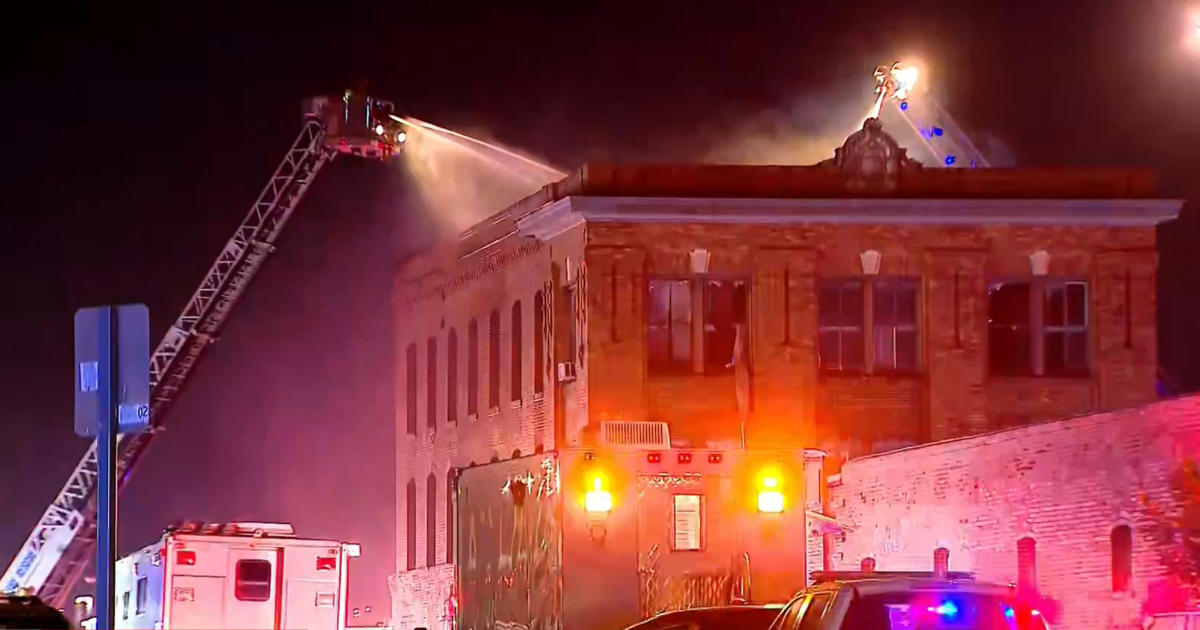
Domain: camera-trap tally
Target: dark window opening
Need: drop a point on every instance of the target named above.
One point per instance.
(1027, 565)
(516, 373)
(840, 308)
(572, 325)
(450, 524)
(125, 605)
(141, 595)
(452, 376)
(1122, 558)
(670, 326)
(431, 374)
(1038, 332)
(473, 367)
(539, 341)
(410, 520)
(724, 311)
(494, 360)
(410, 389)
(252, 581)
(894, 325)
(431, 536)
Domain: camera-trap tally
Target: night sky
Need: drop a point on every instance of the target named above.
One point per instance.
(136, 140)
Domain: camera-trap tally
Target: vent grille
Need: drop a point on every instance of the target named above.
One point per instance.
(635, 434)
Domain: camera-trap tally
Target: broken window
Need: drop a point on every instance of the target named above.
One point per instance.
(670, 326)
(1043, 336)
(724, 310)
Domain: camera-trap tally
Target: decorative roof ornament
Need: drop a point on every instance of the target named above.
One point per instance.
(871, 160)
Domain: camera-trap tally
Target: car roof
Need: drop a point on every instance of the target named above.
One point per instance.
(890, 584)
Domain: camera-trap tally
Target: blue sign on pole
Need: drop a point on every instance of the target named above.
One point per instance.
(112, 395)
(94, 334)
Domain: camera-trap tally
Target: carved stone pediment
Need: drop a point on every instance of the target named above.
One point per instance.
(871, 160)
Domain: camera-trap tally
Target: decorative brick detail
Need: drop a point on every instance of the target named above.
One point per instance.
(1065, 483)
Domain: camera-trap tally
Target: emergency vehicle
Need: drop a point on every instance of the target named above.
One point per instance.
(592, 538)
(234, 575)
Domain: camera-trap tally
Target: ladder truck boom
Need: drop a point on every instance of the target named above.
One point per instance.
(937, 130)
(59, 549)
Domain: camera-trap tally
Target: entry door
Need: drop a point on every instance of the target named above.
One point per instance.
(252, 589)
(687, 543)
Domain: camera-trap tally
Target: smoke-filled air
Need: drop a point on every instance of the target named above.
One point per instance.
(462, 179)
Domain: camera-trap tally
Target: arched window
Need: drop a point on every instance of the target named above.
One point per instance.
(452, 377)
(494, 360)
(1122, 558)
(431, 536)
(515, 371)
(410, 530)
(539, 342)
(473, 367)
(431, 382)
(1027, 564)
(410, 388)
(450, 525)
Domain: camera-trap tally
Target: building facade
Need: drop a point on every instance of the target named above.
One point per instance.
(858, 305)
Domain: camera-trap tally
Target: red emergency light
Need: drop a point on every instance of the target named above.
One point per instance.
(714, 458)
(685, 458)
(326, 564)
(654, 458)
(185, 558)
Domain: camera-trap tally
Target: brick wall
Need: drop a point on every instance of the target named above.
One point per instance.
(445, 294)
(1064, 483)
(952, 394)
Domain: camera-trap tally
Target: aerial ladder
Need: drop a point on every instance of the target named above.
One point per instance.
(59, 549)
(936, 129)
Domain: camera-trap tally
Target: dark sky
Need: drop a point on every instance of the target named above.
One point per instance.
(137, 138)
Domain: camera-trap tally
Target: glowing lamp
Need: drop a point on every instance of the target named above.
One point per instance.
(401, 137)
(598, 500)
(379, 130)
(770, 501)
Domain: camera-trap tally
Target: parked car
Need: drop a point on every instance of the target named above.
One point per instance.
(745, 617)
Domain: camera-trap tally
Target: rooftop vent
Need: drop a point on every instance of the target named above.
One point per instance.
(635, 434)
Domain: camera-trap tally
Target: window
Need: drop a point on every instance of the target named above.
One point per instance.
(410, 375)
(125, 605)
(450, 516)
(1065, 328)
(494, 360)
(452, 376)
(539, 342)
(1043, 336)
(515, 375)
(431, 373)
(572, 324)
(811, 619)
(688, 511)
(410, 519)
(670, 326)
(1027, 564)
(252, 580)
(431, 536)
(869, 326)
(894, 325)
(840, 325)
(1122, 558)
(473, 367)
(142, 586)
(724, 310)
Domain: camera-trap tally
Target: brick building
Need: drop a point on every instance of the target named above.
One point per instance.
(860, 305)
(1062, 507)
